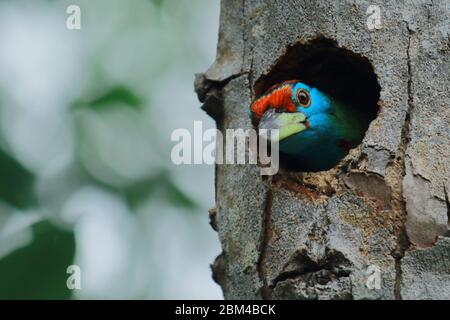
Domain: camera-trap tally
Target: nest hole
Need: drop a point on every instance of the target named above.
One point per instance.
(338, 72)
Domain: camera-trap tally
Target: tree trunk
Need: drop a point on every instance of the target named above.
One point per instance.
(383, 212)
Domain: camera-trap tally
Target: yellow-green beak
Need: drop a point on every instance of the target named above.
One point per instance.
(286, 124)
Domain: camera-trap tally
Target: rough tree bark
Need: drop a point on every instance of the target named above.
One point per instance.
(386, 205)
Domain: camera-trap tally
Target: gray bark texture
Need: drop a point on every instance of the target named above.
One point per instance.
(300, 235)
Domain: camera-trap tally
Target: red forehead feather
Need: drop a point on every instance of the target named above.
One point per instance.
(278, 97)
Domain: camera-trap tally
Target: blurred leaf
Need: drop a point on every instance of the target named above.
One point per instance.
(139, 192)
(157, 3)
(161, 186)
(117, 94)
(16, 183)
(38, 271)
(178, 197)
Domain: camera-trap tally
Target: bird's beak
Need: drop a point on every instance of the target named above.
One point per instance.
(287, 123)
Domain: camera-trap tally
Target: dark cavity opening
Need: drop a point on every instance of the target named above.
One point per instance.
(338, 72)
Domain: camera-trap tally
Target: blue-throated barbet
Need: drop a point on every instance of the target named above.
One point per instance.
(315, 129)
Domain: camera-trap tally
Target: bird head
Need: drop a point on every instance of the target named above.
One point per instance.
(291, 107)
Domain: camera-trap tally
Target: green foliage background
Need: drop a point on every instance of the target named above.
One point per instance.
(87, 115)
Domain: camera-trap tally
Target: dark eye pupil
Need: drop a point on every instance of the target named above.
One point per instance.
(303, 98)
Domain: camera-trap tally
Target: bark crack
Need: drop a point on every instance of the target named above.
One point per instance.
(266, 234)
(203, 86)
(325, 270)
(247, 47)
(403, 241)
(209, 92)
(244, 29)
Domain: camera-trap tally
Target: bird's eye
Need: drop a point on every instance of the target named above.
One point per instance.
(303, 98)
